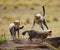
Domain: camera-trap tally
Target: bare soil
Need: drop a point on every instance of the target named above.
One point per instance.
(31, 45)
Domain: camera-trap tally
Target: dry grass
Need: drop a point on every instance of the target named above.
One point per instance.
(22, 10)
(30, 2)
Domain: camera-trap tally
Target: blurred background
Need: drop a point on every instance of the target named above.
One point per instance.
(24, 10)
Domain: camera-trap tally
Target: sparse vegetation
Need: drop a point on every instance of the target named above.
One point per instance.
(3, 39)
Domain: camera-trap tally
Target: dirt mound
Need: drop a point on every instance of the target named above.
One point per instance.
(32, 45)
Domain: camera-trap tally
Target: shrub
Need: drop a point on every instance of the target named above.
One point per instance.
(48, 21)
(15, 7)
(55, 19)
(32, 8)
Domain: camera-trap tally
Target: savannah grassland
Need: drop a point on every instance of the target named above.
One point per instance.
(24, 10)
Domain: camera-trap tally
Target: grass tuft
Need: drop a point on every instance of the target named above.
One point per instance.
(55, 19)
(3, 39)
(48, 20)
